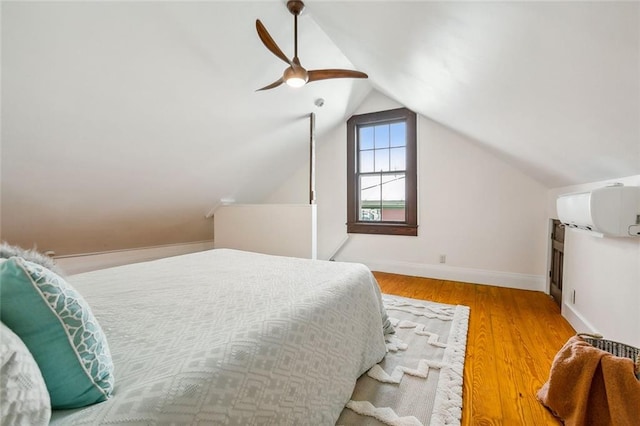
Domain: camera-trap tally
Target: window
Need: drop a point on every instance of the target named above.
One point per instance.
(381, 173)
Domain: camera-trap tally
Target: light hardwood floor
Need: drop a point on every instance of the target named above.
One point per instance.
(512, 339)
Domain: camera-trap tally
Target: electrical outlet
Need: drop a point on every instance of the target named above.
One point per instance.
(443, 258)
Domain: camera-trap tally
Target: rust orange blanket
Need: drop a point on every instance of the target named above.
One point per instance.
(588, 386)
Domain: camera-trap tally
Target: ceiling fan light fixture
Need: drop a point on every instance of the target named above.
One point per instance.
(295, 82)
(295, 77)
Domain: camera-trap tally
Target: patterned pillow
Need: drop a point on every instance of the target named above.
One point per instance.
(24, 396)
(58, 327)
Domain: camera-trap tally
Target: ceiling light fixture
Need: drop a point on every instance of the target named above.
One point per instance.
(295, 82)
(295, 76)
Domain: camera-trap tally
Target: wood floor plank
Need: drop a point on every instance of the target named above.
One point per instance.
(465, 294)
(486, 408)
(512, 339)
(507, 370)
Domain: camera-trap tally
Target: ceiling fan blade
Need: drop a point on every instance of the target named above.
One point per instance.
(269, 42)
(276, 83)
(315, 75)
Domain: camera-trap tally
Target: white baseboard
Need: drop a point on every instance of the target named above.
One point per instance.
(452, 273)
(577, 321)
(85, 262)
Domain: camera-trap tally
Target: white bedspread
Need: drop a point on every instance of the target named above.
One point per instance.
(229, 337)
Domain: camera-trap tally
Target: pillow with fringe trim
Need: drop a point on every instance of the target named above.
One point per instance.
(32, 255)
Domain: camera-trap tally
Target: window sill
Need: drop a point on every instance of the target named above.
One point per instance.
(382, 229)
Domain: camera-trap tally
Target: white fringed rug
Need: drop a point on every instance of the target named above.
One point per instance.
(419, 381)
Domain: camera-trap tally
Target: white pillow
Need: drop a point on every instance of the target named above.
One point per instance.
(23, 393)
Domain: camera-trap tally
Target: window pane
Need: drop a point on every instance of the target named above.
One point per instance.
(382, 136)
(366, 161)
(370, 188)
(398, 134)
(368, 214)
(382, 198)
(366, 138)
(393, 198)
(382, 160)
(370, 202)
(393, 187)
(398, 159)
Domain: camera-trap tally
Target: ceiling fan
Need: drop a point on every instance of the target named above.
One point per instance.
(295, 75)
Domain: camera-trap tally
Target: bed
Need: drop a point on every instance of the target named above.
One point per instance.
(231, 337)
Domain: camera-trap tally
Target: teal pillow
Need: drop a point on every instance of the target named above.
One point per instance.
(58, 327)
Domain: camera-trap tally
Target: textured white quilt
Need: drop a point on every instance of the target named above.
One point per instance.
(229, 337)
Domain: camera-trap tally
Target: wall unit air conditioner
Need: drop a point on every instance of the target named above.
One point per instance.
(612, 211)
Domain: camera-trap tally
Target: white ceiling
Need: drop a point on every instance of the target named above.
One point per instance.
(554, 87)
(153, 104)
(136, 92)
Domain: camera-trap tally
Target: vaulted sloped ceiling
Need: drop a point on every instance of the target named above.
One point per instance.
(553, 87)
(124, 123)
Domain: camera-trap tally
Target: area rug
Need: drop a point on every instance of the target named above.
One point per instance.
(419, 381)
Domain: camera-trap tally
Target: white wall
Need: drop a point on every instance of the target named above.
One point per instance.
(605, 275)
(279, 229)
(487, 217)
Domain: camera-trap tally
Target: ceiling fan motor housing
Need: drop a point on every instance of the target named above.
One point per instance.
(295, 72)
(295, 6)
